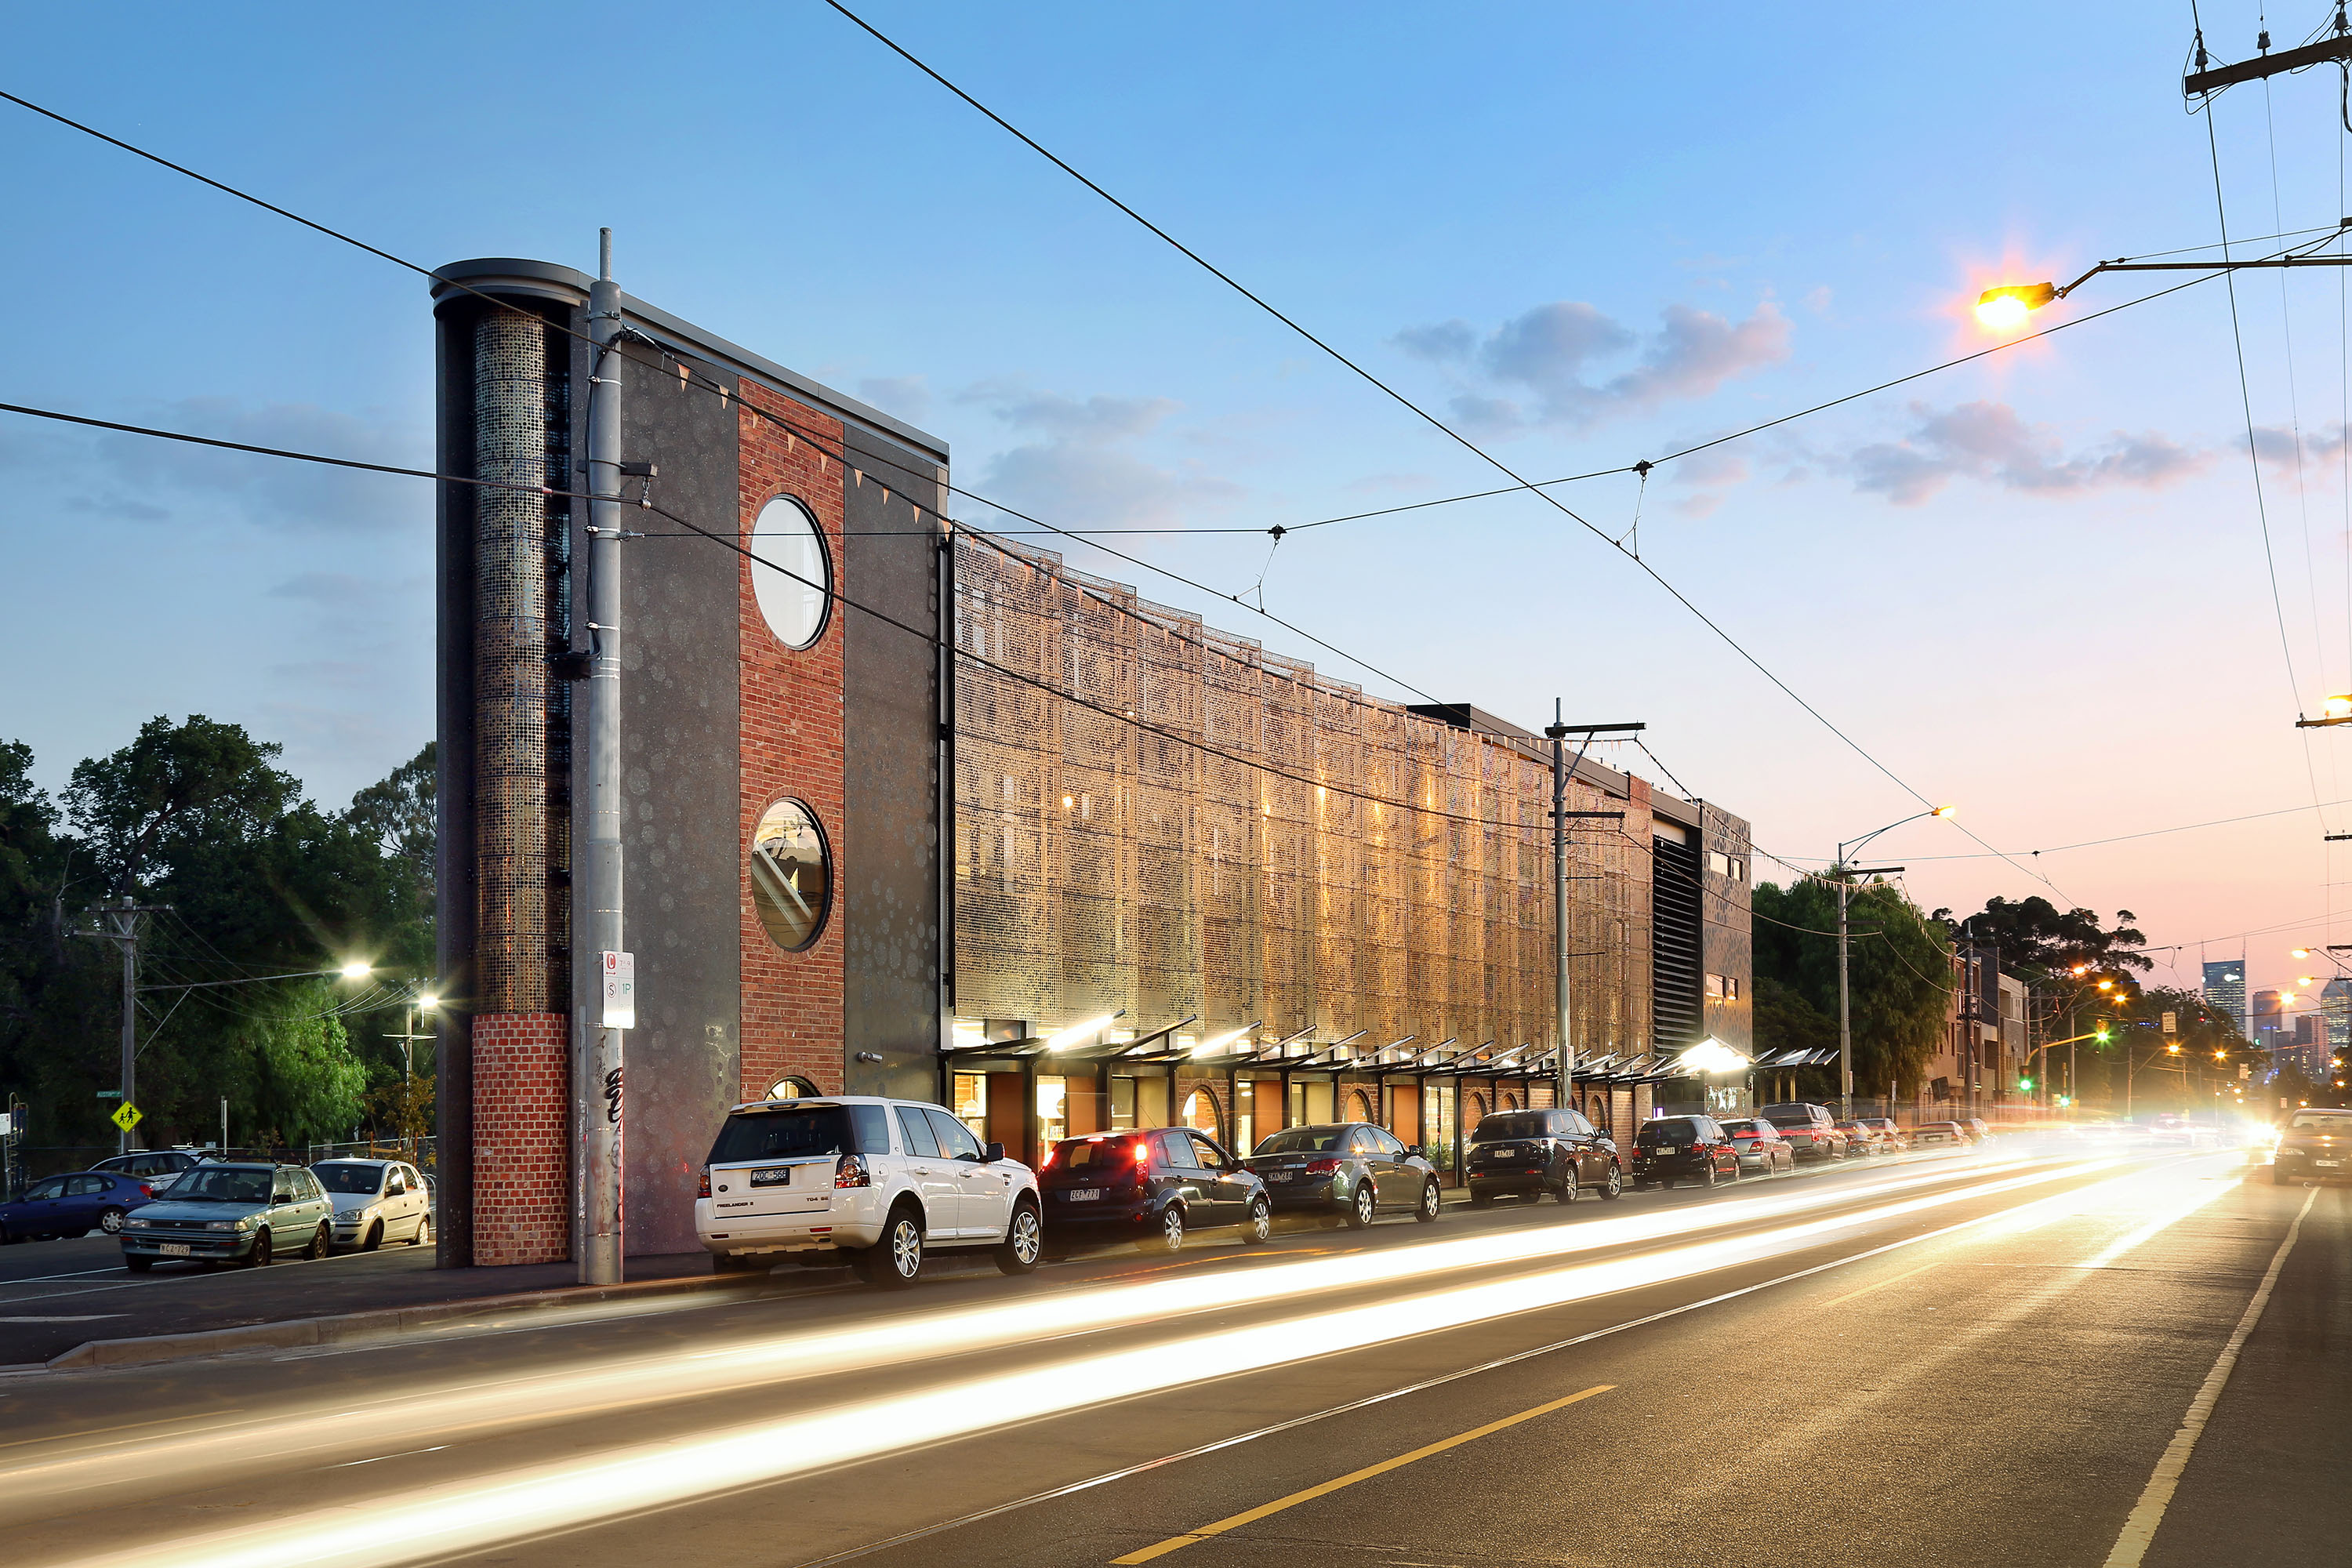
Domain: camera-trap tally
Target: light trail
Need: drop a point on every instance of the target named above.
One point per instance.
(446, 1407)
(451, 1518)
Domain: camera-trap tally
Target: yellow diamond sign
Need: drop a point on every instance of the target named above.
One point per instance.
(126, 1117)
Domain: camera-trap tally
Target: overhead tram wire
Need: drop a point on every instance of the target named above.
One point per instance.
(1423, 414)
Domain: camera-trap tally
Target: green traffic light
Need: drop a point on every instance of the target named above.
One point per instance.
(2025, 1083)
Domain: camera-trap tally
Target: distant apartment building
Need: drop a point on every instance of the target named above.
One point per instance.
(2336, 1011)
(2225, 992)
(2270, 1028)
(2310, 1050)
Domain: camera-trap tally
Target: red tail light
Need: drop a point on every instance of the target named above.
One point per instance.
(849, 1170)
(1046, 1163)
(1321, 1167)
(702, 1190)
(1142, 1153)
(145, 1191)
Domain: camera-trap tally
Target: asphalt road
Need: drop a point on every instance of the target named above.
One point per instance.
(1957, 1362)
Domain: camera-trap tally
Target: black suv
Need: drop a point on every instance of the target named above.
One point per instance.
(1148, 1187)
(1811, 1131)
(1344, 1171)
(1527, 1153)
(1683, 1148)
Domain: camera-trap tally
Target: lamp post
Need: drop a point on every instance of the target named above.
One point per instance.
(1844, 873)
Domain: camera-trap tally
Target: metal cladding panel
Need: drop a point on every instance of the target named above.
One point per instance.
(1676, 985)
(1157, 815)
(889, 899)
(679, 746)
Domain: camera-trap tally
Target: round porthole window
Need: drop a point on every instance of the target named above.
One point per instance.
(791, 874)
(794, 1088)
(789, 575)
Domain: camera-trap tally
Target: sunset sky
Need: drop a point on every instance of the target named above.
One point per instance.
(2035, 586)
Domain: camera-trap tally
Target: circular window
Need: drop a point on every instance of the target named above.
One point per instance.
(791, 874)
(790, 576)
(794, 1088)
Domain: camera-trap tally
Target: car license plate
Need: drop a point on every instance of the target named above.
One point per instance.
(781, 1176)
(1279, 1175)
(1086, 1195)
(2327, 1161)
(1670, 1148)
(174, 1249)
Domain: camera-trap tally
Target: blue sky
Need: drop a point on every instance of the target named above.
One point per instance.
(2035, 586)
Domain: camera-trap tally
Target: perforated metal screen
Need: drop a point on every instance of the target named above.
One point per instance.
(1186, 824)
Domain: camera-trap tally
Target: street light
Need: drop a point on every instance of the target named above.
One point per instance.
(2006, 308)
(356, 971)
(1844, 873)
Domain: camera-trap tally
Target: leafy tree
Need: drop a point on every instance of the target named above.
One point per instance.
(2034, 937)
(1899, 970)
(1785, 1021)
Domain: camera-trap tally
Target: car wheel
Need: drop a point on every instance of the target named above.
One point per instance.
(423, 1231)
(110, 1220)
(1569, 1190)
(1706, 1177)
(729, 1263)
(1362, 1205)
(1479, 1200)
(896, 1260)
(1432, 1200)
(1024, 1240)
(2278, 1177)
(1665, 1183)
(374, 1238)
(259, 1256)
(1170, 1237)
(1258, 1229)
(1615, 1187)
(139, 1265)
(322, 1242)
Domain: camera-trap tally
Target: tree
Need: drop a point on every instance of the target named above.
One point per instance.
(2034, 937)
(1899, 974)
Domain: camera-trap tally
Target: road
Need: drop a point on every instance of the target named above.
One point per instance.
(1978, 1359)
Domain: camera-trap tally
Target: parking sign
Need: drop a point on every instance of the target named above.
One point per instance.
(620, 990)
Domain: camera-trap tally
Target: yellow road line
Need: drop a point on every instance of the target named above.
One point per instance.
(1866, 1289)
(1351, 1478)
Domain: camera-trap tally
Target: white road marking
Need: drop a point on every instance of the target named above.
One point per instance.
(2139, 1529)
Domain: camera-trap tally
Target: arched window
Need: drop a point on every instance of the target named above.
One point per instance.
(1476, 1108)
(1510, 1101)
(793, 1088)
(1359, 1106)
(1203, 1114)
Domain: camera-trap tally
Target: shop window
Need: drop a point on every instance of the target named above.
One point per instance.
(971, 1102)
(1052, 1109)
(792, 875)
(1122, 1104)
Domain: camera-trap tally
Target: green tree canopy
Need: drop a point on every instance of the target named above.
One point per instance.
(1899, 976)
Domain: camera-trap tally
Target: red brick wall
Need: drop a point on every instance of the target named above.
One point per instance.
(522, 1139)
(791, 726)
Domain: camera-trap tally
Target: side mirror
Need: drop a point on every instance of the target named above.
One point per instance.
(281, 1198)
(1413, 1151)
(992, 1153)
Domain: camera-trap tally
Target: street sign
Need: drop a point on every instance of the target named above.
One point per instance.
(2172, 1023)
(620, 990)
(110, 1094)
(126, 1117)
(7, 1124)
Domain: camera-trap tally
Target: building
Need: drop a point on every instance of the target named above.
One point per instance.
(2270, 1030)
(2225, 993)
(2311, 1043)
(2335, 1012)
(916, 812)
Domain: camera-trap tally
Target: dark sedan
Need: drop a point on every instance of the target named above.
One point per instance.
(1686, 1149)
(1344, 1171)
(1527, 1153)
(74, 1204)
(1151, 1188)
(2314, 1146)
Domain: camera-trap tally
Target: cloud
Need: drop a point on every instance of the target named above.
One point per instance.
(1079, 470)
(142, 479)
(1990, 442)
(2276, 445)
(1549, 366)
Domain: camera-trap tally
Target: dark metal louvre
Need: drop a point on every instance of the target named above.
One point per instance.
(1674, 943)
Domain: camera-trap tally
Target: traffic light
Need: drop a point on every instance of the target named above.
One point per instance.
(2025, 1082)
(2105, 1025)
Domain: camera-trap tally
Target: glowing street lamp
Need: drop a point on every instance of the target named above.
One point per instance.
(356, 971)
(2005, 309)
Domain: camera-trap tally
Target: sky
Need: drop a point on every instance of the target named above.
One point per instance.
(2043, 587)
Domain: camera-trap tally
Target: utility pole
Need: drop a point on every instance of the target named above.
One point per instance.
(124, 917)
(1564, 1084)
(598, 1081)
(1845, 876)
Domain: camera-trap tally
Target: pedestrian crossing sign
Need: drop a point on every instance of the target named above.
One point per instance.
(126, 1117)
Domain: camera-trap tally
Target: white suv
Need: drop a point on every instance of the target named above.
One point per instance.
(874, 1180)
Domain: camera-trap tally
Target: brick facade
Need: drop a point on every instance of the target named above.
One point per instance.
(790, 705)
(522, 1167)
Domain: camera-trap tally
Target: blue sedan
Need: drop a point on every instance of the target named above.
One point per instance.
(74, 1204)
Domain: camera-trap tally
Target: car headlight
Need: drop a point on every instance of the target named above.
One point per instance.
(226, 1225)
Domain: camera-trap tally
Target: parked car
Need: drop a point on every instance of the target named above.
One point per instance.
(159, 1168)
(1979, 1133)
(1683, 1148)
(75, 1205)
(1811, 1131)
(245, 1211)
(1152, 1188)
(2314, 1146)
(1890, 1140)
(1939, 1135)
(1344, 1172)
(1861, 1137)
(1528, 1154)
(873, 1182)
(1760, 1146)
(376, 1201)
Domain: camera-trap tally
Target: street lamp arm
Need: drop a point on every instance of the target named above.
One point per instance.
(248, 980)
